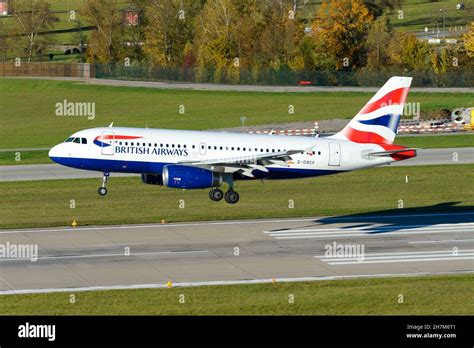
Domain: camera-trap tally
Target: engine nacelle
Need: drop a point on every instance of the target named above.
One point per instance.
(152, 179)
(186, 177)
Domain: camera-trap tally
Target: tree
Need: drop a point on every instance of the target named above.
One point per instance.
(378, 7)
(169, 26)
(406, 51)
(32, 18)
(280, 37)
(106, 41)
(225, 38)
(468, 39)
(342, 26)
(378, 39)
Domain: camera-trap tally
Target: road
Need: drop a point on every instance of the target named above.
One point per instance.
(55, 171)
(242, 88)
(232, 252)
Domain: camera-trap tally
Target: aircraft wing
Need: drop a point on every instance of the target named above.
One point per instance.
(245, 165)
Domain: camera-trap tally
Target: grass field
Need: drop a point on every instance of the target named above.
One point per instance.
(434, 295)
(47, 203)
(28, 119)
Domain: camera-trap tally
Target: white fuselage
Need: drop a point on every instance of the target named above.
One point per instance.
(138, 150)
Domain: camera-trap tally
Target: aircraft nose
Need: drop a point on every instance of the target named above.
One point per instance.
(54, 152)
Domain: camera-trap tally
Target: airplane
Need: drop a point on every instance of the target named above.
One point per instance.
(209, 159)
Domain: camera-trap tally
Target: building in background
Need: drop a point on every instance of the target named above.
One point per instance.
(4, 7)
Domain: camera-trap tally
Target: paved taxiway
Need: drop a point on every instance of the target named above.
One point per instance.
(55, 171)
(237, 88)
(87, 258)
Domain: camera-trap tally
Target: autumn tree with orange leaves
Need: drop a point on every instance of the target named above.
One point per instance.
(341, 26)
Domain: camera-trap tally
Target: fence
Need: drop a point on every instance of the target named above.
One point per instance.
(282, 77)
(79, 70)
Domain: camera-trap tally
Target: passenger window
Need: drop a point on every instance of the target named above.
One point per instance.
(126, 143)
(221, 147)
(179, 146)
(131, 144)
(156, 145)
(215, 147)
(232, 149)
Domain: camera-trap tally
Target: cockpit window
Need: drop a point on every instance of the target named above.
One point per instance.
(68, 140)
(83, 140)
(77, 140)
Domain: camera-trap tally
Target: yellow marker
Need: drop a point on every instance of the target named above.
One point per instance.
(74, 223)
(273, 280)
(169, 284)
(162, 221)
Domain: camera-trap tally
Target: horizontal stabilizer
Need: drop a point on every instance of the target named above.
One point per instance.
(390, 152)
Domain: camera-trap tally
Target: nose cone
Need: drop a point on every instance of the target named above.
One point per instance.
(55, 153)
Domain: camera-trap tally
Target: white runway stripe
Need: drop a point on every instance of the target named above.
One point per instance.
(442, 241)
(415, 256)
(365, 232)
(59, 257)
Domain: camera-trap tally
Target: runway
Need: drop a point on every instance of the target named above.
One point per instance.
(55, 171)
(239, 88)
(233, 252)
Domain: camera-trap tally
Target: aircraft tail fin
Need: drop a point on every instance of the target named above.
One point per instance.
(378, 120)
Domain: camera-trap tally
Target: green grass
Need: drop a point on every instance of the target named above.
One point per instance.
(418, 14)
(27, 108)
(47, 203)
(436, 142)
(433, 295)
(24, 157)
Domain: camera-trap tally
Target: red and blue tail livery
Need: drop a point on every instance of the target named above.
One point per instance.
(378, 120)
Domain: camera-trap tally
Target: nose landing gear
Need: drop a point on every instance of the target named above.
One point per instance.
(102, 190)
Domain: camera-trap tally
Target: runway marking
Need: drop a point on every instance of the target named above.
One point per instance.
(365, 231)
(442, 241)
(222, 282)
(232, 222)
(412, 256)
(54, 257)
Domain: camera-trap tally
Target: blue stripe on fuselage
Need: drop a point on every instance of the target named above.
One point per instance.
(120, 166)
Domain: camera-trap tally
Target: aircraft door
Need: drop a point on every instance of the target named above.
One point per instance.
(334, 154)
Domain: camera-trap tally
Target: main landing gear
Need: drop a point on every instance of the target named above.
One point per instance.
(102, 190)
(230, 196)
